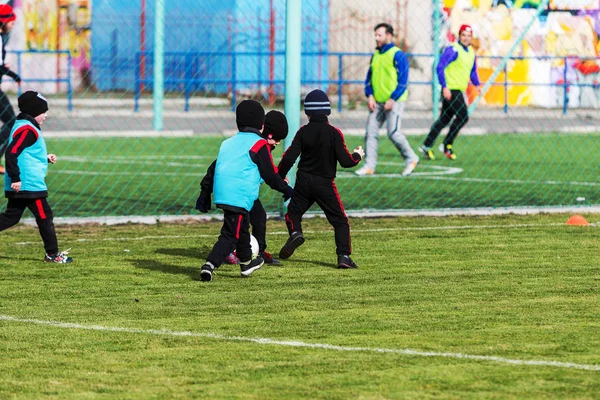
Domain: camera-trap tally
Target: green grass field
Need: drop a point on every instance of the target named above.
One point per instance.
(158, 176)
(524, 289)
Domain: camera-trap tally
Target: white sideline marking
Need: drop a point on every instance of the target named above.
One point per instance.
(516, 181)
(267, 341)
(109, 134)
(278, 233)
(438, 171)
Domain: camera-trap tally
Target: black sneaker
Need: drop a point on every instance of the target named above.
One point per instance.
(249, 267)
(295, 240)
(59, 258)
(269, 258)
(345, 262)
(206, 272)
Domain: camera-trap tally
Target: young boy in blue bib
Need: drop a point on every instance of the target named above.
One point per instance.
(275, 130)
(243, 162)
(25, 180)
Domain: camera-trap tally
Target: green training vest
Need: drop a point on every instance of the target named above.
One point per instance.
(384, 77)
(458, 73)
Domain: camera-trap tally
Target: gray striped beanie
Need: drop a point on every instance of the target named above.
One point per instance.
(317, 103)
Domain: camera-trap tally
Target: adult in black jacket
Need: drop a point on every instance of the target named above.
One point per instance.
(320, 147)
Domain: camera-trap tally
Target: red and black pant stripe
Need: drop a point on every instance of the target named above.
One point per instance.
(235, 235)
(43, 216)
(310, 189)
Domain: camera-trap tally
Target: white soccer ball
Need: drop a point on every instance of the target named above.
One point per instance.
(254, 245)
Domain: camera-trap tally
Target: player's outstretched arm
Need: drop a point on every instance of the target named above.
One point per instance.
(342, 154)
(268, 171)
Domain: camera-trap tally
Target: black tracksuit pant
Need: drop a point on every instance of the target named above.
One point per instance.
(235, 234)
(258, 220)
(309, 189)
(7, 116)
(455, 107)
(43, 216)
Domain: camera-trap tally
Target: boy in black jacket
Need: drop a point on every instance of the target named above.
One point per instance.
(320, 147)
(275, 130)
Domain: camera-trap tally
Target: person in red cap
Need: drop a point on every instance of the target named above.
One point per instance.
(7, 114)
(458, 66)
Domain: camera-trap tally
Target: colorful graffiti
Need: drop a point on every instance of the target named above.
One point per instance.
(60, 25)
(561, 45)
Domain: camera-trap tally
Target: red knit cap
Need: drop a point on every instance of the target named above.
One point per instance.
(466, 28)
(6, 13)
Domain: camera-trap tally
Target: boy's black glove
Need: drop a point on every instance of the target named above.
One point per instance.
(14, 75)
(203, 202)
(289, 192)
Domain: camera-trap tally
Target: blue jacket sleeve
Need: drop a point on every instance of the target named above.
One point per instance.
(474, 75)
(368, 85)
(402, 66)
(449, 55)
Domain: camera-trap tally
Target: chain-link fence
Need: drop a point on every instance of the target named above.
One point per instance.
(530, 140)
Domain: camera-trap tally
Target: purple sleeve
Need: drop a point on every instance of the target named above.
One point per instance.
(447, 57)
(474, 75)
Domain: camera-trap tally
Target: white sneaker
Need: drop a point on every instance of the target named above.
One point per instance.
(410, 167)
(364, 171)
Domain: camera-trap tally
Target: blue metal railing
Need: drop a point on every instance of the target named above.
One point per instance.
(57, 80)
(189, 80)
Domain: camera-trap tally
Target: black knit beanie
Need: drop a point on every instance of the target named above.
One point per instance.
(276, 126)
(32, 103)
(249, 113)
(317, 103)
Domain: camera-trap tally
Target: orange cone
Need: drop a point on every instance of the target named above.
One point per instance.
(577, 220)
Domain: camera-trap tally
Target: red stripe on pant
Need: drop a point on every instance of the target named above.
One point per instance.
(289, 221)
(337, 195)
(40, 208)
(237, 232)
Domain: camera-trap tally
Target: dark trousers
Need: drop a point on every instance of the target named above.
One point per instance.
(7, 116)
(235, 235)
(43, 216)
(310, 189)
(455, 107)
(258, 220)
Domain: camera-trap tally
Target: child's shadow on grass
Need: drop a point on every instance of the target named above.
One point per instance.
(23, 259)
(313, 262)
(159, 266)
(195, 253)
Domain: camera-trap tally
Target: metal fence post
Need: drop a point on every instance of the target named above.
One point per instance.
(187, 80)
(159, 64)
(233, 79)
(505, 90)
(340, 81)
(19, 68)
(565, 88)
(137, 84)
(69, 84)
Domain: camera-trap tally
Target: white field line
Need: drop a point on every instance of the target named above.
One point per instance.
(515, 181)
(278, 233)
(274, 342)
(110, 134)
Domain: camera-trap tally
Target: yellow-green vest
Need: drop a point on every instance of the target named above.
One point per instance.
(458, 73)
(384, 76)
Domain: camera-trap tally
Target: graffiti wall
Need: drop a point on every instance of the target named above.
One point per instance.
(44, 26)
(562, 46)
